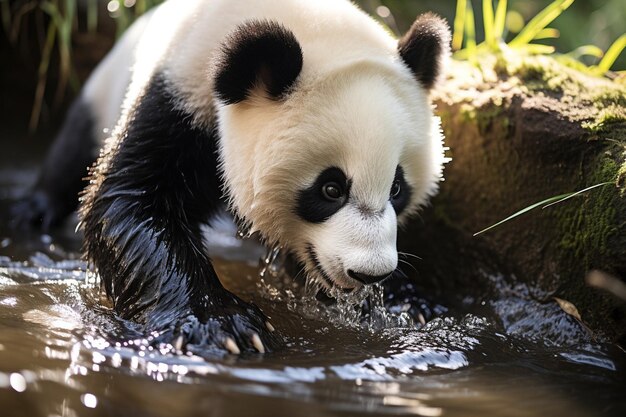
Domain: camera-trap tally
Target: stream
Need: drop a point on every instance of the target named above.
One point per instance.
(63, 352)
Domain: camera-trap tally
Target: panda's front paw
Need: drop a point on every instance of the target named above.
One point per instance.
(36, 209)
(228, 323)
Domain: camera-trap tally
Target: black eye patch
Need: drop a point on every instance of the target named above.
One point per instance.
(324, 197)
(400, 194)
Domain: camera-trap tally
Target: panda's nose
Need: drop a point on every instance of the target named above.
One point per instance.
(368, 279)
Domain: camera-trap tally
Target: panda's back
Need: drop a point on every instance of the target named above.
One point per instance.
(183, 36)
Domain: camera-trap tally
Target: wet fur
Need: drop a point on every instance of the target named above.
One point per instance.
(150, 192)
(249, 111)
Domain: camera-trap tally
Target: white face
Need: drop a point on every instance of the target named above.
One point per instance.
(330, 172)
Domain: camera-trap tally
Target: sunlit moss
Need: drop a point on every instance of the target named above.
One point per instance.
(593, 102)
(590, 227)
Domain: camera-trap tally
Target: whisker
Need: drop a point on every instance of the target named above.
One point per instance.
(409, 255)
(399, 273)
(409, 264)
(295, 278)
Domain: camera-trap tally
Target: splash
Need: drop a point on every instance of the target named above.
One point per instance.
(363, 308)
(42, 267)
(273, 263)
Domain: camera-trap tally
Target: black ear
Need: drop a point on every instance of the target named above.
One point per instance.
(257, 53)
(424, 47)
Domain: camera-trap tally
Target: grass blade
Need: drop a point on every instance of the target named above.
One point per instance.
(459, 23)
(574, 194)
(545, 203)
(539, 22)
(92, 15)
(522, 211)
(42, 74)
(586, 50)
(65, 49)
(500, 20)
(537, 49)
(611, 55)
(470, 31)
(141, 7)
(5, 10)
(17, 17)
(548, 33)
(488, 23)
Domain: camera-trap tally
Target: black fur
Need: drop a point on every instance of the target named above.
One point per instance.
(311, 204)
(258, 52)
(423, 47)
(400, 201)
(368, 279)
(149, 194)
(55, 195)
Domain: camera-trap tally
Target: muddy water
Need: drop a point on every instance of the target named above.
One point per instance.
(63, 352)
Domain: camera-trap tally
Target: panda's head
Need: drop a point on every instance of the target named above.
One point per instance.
(326, 154)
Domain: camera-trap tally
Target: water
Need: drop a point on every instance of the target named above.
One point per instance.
(63, 352)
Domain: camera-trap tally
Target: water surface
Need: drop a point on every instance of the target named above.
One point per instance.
(64, 353)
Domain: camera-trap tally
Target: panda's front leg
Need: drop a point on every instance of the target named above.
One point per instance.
(149, 193)
(211, 319)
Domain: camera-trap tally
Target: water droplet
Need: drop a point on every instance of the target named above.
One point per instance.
(383, 11)
(18, 382)
(243, 230)
(89, 400)
(273, 263)
(113, 6)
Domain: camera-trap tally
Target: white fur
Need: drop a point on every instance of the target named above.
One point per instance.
(356, 106)
(106, 87)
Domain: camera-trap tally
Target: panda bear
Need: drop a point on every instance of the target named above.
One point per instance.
(306, 120)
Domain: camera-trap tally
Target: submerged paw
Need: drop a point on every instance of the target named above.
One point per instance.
(36, 209)
(237, 328)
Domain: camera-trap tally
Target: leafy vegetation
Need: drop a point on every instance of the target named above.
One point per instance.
(58, 20)
(536, 29)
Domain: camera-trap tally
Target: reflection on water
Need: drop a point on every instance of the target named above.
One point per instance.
(63, 353)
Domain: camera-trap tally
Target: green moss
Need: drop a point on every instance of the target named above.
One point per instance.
(621, 174)
(543, 74)
(468, 112)
(610, 97)
(589, 224)
(486, 116)
(597, 104)
(606, 117)
(495, 171)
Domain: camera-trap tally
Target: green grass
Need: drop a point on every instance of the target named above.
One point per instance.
(545, 203)
(494, 24)
(612, 54)
(60, 22)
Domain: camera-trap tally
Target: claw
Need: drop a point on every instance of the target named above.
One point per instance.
(269, 326)
(178, 343)
(231, 346)
(256, 342)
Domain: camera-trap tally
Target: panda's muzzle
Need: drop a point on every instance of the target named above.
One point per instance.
(318, 266)
(367, 279)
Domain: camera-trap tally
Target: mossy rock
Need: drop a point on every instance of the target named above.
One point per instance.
(520, 130)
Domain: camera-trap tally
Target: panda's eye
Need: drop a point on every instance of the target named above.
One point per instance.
(395, 189)
(400, 193)
(325, 197)
(332, 191)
